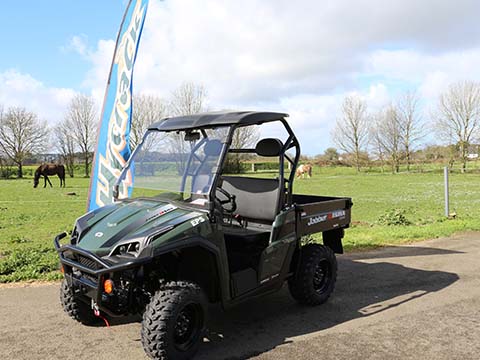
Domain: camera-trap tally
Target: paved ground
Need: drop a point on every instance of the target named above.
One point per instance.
(410, 302)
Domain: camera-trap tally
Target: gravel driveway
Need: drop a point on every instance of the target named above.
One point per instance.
(408, 302)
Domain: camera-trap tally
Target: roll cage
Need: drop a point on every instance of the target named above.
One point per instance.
(232, 121)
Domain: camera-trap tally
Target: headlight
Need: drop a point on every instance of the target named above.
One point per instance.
(131, 248)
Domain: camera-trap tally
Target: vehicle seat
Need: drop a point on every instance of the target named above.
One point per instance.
(257, 199)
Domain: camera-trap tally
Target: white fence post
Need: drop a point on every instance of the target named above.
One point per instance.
(445, 176)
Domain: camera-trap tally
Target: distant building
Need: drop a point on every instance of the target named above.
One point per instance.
(473, 151)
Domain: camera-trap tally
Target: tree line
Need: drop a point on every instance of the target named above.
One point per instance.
(23, 134)
(392, 134)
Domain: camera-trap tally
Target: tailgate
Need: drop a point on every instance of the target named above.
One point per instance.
(319, 213)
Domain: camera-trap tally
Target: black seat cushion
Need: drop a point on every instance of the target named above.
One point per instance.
(269, 147)
(255, 198)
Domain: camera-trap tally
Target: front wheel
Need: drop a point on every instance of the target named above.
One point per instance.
(74, 307)
(174, 321)
(316, 275)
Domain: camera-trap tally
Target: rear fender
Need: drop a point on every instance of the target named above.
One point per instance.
(333, 239)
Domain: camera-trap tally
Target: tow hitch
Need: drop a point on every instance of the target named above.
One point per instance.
(96, 311)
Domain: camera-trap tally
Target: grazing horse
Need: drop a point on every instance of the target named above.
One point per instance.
(49, 169)
(304, 169)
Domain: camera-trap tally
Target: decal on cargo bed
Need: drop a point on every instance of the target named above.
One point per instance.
(318, 218)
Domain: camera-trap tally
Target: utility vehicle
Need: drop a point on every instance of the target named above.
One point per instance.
(201, 235)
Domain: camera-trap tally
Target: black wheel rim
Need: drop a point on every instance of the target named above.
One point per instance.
(321, 276)
(188, 326)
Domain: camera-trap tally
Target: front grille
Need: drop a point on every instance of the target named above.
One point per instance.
(92, 278)
(89, 263)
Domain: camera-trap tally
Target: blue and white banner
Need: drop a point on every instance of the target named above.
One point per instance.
(113, 142)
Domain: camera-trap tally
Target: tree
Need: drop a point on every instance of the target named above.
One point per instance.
(188, 99)
(375, 137)
(146, 110)
(351, 130)
(243, 137)
(387, 136)
(82, 120)
(21, 134)
(409, 123)
(458, 117)
(331, 155)
(65, 144)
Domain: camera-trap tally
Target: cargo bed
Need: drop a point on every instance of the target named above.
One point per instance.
(321, 213)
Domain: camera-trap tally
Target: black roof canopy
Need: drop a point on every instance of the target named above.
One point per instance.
(214, 119)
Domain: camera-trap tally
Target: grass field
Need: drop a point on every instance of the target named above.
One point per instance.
(30, 218)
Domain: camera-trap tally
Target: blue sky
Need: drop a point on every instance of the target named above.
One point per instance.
(299, 57)
(36, 35)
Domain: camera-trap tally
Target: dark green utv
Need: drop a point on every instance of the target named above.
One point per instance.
(201, 236)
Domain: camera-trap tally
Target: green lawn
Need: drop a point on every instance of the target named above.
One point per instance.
(419, 195)
(30, 218)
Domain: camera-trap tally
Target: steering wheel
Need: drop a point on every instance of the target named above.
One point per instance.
(229, 199)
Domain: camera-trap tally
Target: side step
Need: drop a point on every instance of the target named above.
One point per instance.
(243, 281)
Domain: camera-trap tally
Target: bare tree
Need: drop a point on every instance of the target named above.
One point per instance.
(410, 124)
(351, 130)
(188, 99)
(82, 120)
(21, 134)
(458, 118)
(4, 169)
(243, 137)
(146, 110)
(376, 143)
(65, 144)
(388, 136)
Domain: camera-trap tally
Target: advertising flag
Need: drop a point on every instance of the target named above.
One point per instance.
(113, 141)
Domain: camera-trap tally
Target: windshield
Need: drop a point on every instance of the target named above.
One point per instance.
(183, 163)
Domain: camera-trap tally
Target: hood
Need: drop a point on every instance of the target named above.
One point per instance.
(104, 229)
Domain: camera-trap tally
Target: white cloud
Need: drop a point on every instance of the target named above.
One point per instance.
(20, 89)
(78, 44)
(433, 73)
(297, 57)
(250, 51)
(99, 58)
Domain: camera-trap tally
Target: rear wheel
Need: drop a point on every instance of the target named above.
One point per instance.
(74, 307)
(316, 275)
(174, 321)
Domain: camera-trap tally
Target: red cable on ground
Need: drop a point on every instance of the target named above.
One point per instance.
(97, 314)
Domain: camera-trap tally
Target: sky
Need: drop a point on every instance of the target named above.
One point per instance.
(300, 57)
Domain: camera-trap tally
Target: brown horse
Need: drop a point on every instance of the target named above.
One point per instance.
(304, 169)
(49, 169)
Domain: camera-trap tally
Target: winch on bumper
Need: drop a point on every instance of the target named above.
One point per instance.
(91, 278)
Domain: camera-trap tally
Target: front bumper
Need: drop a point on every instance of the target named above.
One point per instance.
(85, 272)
